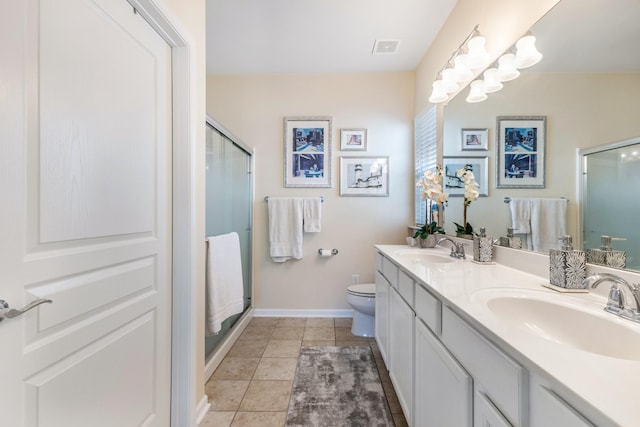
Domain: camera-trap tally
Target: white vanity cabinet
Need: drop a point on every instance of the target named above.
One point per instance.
(382, 316)
(401, 323)
(550, 410)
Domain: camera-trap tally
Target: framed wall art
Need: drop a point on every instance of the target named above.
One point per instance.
(307, 151)
(353, 139)
(454, 185)
(520, 151)
(474, 139)
(364, 176)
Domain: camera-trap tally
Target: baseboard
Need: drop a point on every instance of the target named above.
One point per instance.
(202, 409)
(223, 348)
(267, 312)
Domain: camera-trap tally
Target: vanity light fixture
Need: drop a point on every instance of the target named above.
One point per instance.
(470, 55)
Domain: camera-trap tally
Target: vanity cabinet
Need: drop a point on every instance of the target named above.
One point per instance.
(550, 410)
(382, 316)
(401, 322)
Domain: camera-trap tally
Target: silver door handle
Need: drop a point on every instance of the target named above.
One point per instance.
(6, 312)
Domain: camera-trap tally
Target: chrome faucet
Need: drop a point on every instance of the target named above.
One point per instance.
(624, 300)
(457, 249)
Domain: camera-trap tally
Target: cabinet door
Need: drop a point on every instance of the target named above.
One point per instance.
(401, 351)
(443, 389)
(382, 316)
(550, 410)
(485, 414)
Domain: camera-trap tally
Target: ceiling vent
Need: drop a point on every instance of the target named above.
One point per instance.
(385, 46)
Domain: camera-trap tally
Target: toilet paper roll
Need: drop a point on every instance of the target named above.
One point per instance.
(325, 252)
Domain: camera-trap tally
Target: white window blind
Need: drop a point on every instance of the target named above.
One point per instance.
(426, 154)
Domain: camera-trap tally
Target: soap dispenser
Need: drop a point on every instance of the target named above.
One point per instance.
(567, 266)
(606, 255)
(482, 247)
(510, 241)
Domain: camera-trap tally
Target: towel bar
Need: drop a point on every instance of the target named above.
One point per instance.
(508, 199)
(266, 198)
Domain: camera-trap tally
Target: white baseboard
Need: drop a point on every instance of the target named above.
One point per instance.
(267, 312)
(202, 409)
(223, 348)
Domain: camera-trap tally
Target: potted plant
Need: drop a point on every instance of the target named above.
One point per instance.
(427, 232)
(470, 194)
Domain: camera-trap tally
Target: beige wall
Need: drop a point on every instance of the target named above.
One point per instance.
(253, 108)
(502, 22)
(582, 110)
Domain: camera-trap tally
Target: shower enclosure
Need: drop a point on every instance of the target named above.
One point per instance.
(229, 198)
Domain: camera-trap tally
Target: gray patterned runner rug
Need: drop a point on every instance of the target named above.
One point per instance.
(337, 386)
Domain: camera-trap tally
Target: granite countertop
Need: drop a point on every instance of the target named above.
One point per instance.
(605, 382)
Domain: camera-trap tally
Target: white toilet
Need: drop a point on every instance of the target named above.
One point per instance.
(363, 300)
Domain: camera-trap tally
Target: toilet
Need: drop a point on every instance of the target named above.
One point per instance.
(363, 300)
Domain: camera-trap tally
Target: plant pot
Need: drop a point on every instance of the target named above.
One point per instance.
(429, 242)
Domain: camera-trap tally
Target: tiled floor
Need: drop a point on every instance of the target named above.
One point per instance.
(252, 385)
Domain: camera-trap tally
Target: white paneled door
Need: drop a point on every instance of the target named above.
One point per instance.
(85, 215)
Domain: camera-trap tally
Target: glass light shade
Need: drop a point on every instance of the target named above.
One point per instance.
(461, 72)
(491, 81)
(477, 56)
(438, 94)
(507, 70)
(476, 93)
(527, 54)
(449, 83)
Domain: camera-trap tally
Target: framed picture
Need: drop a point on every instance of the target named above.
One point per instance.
(307, 151)
(474, 139)
(454, 185)
(353, 139)
(364, 176)
(520, 151)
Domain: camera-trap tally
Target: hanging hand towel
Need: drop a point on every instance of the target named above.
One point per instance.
(521, 219)
(224, 290)
(285, 228)
(312, 213)
(548, 223)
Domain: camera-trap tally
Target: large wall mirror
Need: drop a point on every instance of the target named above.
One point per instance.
(588, 88)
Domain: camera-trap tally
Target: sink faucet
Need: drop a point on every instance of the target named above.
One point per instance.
(624, 300)
(457, 249)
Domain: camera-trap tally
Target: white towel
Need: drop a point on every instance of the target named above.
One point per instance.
(285, 228)
(520, 215)
(548, 223)
(224, 290)
(312, 213)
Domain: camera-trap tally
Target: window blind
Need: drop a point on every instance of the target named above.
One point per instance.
(425, 154)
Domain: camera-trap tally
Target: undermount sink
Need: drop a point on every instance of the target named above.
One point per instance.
(556, 318)
(423, 255)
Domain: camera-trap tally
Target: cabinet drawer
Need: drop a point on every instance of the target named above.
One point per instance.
(390, 271)
(502, 379)
(485, 414)
(428, 309)
(379, 261)
(405, 287)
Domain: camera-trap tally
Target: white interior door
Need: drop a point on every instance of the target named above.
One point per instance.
(85, 215)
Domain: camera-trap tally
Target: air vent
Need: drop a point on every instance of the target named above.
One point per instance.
(385, 46)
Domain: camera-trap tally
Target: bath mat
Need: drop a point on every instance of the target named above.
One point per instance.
(337, 386)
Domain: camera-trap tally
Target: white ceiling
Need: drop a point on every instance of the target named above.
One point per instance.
(319, 36)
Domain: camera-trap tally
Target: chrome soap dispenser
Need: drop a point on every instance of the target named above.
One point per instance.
(567, 266)
(606, 255)
(482, 247)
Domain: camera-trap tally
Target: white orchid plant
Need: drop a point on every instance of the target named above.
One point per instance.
(470, 194)
(431, 184)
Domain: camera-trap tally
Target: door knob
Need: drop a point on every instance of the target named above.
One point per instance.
(6, 312)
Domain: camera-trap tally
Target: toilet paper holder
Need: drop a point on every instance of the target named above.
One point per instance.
(322, 252)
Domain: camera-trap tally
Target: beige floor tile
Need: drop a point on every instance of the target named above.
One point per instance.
(319, 333)
(251, 347)
(283, 348)
(257, 332)
(264, 321)
(292, 321)
(344, 334)
(270, 396)
(259, 419)
(320, 322)
(343, 322)
(276, 368)
(218, 419)
(321, 343)
(226, 395)
(236, 368)
(288, 333)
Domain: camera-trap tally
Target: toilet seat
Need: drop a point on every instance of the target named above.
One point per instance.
(367, 290)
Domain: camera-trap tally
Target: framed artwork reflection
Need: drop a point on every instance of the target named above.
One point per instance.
(307, 151)
(520, 151)
(474, 139)
(454, 185)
